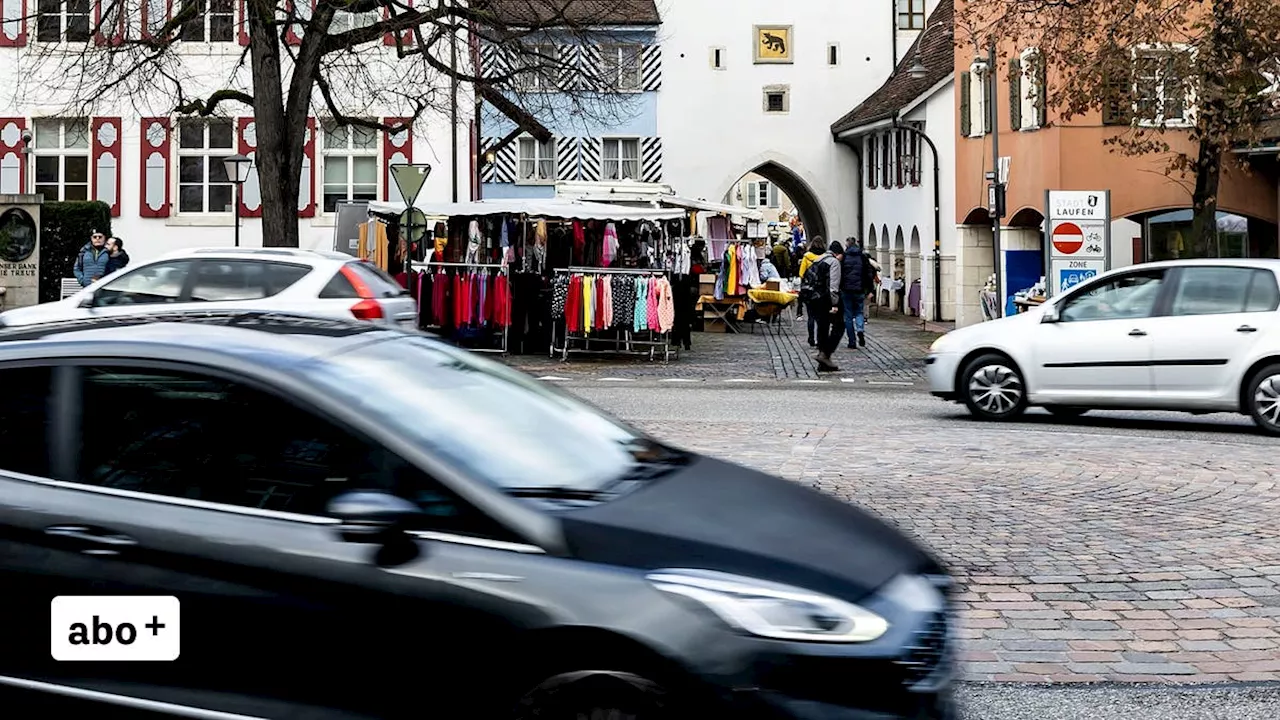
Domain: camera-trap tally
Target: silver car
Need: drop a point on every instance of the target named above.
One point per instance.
(273, 279)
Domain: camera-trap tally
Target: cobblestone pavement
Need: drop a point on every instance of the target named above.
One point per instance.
(1083, 557)
(895, 351)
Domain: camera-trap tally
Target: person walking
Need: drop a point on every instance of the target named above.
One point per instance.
(117, 258)
(821, 292)
(816, 249)
(91, 261)
(856, 281)
(782, 258)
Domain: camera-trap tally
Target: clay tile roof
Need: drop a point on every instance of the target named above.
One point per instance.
(542, 13)
(937, 52)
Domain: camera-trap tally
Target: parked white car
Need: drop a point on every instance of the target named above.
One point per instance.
(274, 279)
(1199, 336)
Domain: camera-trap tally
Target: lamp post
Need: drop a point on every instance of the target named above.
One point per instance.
(238, 167)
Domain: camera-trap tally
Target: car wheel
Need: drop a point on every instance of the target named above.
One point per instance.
(993, 388)
(596, 696)
(1264, 399)
(1066, 411)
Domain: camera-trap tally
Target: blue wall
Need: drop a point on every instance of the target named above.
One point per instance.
(511, 191)
(630, 114)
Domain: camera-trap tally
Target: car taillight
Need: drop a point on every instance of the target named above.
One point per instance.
(367, 310)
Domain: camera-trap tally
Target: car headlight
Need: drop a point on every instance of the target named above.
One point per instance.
(938, 344)
(771, 610)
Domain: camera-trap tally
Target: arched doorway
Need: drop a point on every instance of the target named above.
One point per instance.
(913, 261)
(872, 245)
(885, 258)
(780, 189)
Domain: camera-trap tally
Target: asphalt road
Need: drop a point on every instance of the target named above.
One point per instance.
(1024, 702)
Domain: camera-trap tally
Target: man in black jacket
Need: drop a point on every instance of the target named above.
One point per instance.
(856, 280)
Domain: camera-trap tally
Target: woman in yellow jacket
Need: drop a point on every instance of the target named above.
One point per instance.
(808, 259)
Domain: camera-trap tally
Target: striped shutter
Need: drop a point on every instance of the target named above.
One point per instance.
(397, 149)
(506, 164)
(494, 60)
(487, 171)
(966, 122)
(13, 22)
(1016, 93)
(570, 63)
(592, 157)
(651, 160)
(105, 159)
(247, 145)
(651, 68)
(13, 161)
(590, 59)
(307, 181)
(157, 148)
(568, 158)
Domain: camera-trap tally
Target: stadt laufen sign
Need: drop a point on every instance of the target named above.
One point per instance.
(1079, 228)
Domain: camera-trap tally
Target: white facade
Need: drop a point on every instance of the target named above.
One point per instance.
(716, 123)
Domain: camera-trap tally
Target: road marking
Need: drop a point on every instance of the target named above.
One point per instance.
(680, 380)
(617, 379)
(814, 382)
(553, 378)
(849, 380)
(889, 382)
(742, 380)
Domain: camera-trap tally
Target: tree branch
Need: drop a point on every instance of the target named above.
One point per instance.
(205, 108)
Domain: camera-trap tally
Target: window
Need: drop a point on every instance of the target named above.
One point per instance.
(873, 161)
(1030, 91)
(62, 158)
(910, 14)
(24, 421)
(1126, 297)
(1160, 86)
(913, 153)
(777, 99)
(344, 21)
(149, 285)
(621, 159)
(537, 160)
(833, 54)
(62, 20)
(203, 185)
(197, 437)
(350, 156)
(339, 288)
(620, 67)
(717, 58)
(763, 194)
(979, 120)
(214, 21)
(231, 280)
(1223, 290)
(541, 69)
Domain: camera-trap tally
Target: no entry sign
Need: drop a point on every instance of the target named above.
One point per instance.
(1068, 238)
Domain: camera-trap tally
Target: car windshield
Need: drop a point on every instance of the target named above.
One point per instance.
(486, 419)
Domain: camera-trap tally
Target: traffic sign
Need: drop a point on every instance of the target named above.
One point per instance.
(410, 179)
(1068, 238)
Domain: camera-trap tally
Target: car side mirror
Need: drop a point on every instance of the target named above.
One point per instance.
(87, 301)
(1051, 315)
(370, 516)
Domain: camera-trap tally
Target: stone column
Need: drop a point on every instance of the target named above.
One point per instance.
(973, 266)
(948, 287)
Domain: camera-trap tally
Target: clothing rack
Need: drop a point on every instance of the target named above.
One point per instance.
(626, 342)
(501, 268)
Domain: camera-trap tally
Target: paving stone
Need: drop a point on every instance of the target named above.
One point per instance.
(1153, 668)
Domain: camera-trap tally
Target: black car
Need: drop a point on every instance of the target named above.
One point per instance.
(364, 522)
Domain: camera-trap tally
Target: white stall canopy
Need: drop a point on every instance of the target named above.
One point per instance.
(553, 209)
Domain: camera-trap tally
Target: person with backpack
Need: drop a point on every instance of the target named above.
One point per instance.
(816, 249)
(820, 292)
(857, 278)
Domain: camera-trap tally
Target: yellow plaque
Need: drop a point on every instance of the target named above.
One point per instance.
(773, 44)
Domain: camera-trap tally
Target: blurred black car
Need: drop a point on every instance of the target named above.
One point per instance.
(365, 522)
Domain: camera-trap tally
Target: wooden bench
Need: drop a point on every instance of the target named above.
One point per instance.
(70, 286)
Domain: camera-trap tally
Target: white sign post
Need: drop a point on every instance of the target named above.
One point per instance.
(1079, 237)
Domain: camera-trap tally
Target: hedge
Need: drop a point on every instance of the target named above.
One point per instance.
(64, 228)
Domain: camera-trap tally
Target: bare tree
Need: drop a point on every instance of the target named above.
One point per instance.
(1202, 70)
(347, 60)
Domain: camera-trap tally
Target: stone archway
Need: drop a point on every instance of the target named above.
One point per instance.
(873, 246)
(914, 262)
(795, 187)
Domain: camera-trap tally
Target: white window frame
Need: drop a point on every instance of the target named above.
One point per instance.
(348, 152)
(535, 77)
(614, 68)
(64, 17)
(978, 91)
(711, 58)
(1029, 97)
(62, 153)
(915, 10)
(206, 20)
(523, 144)
(622, 160)
(1189, 98)
(210, 155)
(344, 21)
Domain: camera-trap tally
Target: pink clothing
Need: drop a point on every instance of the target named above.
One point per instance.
(666, 307)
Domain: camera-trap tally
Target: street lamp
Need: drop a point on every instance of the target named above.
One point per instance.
(917, 70)
(237, 167)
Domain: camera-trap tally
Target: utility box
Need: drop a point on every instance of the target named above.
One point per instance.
(20, 250)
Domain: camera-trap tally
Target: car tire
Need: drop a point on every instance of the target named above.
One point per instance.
(992, 388)
(1263, 399)
(597, 695)
(1066, 411)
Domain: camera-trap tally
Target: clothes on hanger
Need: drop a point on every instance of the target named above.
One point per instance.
(591, 303)
(455, 298)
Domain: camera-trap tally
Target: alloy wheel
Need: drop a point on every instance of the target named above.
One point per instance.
(995, 389)
(1266, 400)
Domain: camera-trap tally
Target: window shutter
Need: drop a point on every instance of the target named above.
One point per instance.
(155, 13)
(570, 56)
(753, 194)
(307, 183)
(917, 151)
(987, 111)
(773, 196)
(1042, 91)
(651, 160)
(13, 162)
(108, 22)
(900, 155)
(300, 14)
(1117, 105)
(247, 145)
(242, 9)
(592, 159)
(871, 161)
(886, 159)
(966, 122)
(157, 148)
(1016, 93)
(651, 68)
(487, 170)
(105, 158)
(13, 23)
(390, 39)
(590, 63)
(568, 150)
(397, 149)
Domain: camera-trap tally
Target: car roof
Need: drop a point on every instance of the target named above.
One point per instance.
(1261, 263)
(310, 257)
(274, 338)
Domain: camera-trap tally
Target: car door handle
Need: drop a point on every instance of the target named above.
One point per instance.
(92, 541)
(1246, 329)
(1137, 333)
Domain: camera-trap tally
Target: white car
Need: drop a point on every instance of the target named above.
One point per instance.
(286, 280)
(1199, 336)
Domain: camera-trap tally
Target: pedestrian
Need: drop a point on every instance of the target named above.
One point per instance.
(117, 258)
(782, 258)
(768, 271)
(856, 282)
(816, 249)
(821, 292)
(91, 261)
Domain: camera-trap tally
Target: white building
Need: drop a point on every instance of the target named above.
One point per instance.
(891, 132)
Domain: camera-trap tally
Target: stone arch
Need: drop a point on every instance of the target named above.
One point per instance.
(914, 263)
(797, 185)
(977, 216)
(885, 258)
(1027, 217)
(872, 243)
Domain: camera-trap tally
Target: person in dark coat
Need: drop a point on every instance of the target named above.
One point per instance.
(91, 262)
(856, 282)
(117, 258)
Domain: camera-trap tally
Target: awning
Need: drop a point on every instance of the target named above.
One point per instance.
(703, 205)
(550, 209)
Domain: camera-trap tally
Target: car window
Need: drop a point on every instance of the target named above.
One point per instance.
(1213, 290)
(339, 287)
(1124, 297)
(380, 283)
(191, 436)
(153, 284)
(231, 280)
(1264, 295)
(25, 420)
